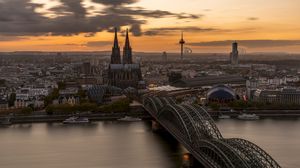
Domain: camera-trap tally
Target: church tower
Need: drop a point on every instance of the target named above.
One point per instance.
(115, 55)
(127, 52)
(123, 73)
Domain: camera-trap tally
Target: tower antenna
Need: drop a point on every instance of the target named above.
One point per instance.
(181, 42)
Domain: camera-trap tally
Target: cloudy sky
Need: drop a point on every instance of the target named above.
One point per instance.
(155, 25)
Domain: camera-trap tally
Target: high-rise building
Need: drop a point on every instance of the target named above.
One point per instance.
(86, 68)
(126, 73)
(234, 60)
(164, 57)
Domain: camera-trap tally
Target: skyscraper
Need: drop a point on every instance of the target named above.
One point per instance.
(234, 60)
(86, 68)
(164, 57)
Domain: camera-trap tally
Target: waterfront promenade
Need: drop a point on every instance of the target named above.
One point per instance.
(60, 118)
(140, 113)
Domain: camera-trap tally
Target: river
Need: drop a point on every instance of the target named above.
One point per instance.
(130, 144)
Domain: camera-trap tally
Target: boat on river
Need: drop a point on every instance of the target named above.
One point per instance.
(248, 117)
(224, 116)
(76, 120)
(127, 118)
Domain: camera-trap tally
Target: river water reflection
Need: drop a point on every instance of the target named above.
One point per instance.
(130, 144)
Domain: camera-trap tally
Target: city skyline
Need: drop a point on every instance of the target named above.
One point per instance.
(209, 26)
(149, 83)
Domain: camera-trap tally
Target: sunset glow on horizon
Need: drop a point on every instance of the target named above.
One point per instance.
(208, 25)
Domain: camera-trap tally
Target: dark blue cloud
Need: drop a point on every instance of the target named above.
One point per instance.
(19, 18)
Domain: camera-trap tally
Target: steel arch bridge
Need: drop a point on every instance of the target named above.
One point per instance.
(193, 127)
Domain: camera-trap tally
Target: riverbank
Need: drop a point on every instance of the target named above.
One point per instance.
(60, 118)
(140, 113)
(43, 116)
(260, 113)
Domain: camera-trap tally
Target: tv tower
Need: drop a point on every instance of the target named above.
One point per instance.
(181, 42)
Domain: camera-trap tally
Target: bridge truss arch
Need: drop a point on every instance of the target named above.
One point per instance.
(196, 130)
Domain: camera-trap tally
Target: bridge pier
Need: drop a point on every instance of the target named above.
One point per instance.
(189, 161)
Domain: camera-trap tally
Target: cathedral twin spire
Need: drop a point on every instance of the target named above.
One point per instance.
(115, 55)
(127, 51)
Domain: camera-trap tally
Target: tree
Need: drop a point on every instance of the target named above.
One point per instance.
(49, 109)
(214, 106)
(52, 96)
(61, 85)
(238, 104)
(118, 106)
(26, 111)
(67, 108)
(2, 82)
(12, 99)
(81, 93)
